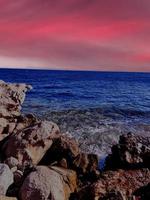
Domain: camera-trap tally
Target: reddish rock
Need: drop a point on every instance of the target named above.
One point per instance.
(120, 184)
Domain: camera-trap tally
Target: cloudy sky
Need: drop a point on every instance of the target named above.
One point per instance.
(75, 34)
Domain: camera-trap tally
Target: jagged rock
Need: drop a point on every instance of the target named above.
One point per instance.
(11, 99)
(30, 144)
(7, 198)
(131, 152)
(120, 183)
(44, 183)
(65, 152)
(25, 122)
(6, 178)
(86, 166)
(63, 147)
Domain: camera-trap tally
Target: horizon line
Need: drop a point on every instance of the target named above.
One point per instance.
(67, 69)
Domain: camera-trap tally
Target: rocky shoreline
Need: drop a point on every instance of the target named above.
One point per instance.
(40, 162)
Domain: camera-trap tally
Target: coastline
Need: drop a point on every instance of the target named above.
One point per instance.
(38, 160)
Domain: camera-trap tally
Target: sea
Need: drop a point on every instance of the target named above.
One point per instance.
(94, 107)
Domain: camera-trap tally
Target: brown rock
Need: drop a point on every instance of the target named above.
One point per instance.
(86, 166)
(63, 147)
(30, 144)
(119, 184)
(25, 122)
(131, 152)
(44, 183)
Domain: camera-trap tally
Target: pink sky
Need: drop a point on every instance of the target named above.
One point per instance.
(75, 34)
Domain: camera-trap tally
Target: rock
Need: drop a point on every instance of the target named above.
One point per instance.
(7, 198)
(143, 193)
(11, 162)
(86, 166)
(63, 147)
(18, 176)
(11, 99)
(132, 152)
(30, 144)
(25, 122)
(6, 178)
(118, 184)
(44, 183)
(86, 162)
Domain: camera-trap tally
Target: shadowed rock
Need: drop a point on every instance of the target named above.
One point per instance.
(131, 152)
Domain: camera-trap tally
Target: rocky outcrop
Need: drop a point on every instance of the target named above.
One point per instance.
(38, 162)
(120, 184)
(6, 178)
(11, 98)
(49, 183)
(29, 145)
(131, 152)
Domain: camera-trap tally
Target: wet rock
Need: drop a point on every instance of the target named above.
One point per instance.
(44, 183)
(131, 152)
(6, 178)
(29, 145)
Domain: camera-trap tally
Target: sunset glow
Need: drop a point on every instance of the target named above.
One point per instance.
(75, 34)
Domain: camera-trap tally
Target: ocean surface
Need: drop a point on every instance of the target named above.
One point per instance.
(95, 107)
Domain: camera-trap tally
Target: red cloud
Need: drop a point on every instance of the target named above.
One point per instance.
(67, 33)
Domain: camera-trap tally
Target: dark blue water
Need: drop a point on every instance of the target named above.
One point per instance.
(125, 94)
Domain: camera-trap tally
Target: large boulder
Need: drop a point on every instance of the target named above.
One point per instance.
(118, 184)
(11, 98)
(30, 144)
(131, 152)
(6, 178)
(48, 184)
